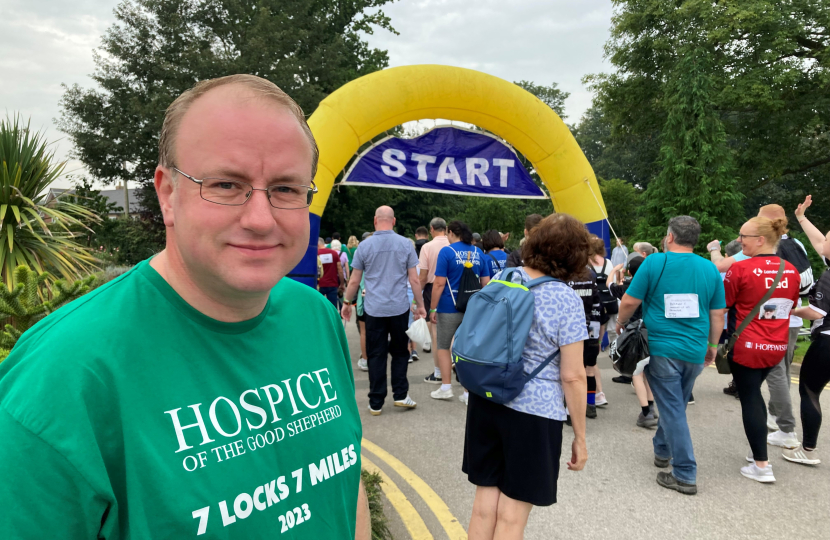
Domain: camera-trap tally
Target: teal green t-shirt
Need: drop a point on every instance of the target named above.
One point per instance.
(683, 338)
(129, 414)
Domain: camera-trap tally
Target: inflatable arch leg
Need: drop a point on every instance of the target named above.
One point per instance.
(370, 105)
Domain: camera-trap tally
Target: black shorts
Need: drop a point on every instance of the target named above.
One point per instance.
(513, 451)
(428, 298)
(360, 318)
(590, 352)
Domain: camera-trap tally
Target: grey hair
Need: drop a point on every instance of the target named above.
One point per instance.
(438, 224)
(685, 229)
(733, 247)
(320, 241)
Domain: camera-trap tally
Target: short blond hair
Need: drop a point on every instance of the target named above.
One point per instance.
(259, 86)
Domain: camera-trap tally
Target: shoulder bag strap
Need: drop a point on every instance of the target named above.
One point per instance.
(541, 366)
(648, 292)
(604, 265)
(756, 309)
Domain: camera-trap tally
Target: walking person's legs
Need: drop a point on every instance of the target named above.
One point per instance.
(646, 418)
(399, 350)
(377, 348)
(753, 411)
(780, 400)
(814, 376)
(672, 382)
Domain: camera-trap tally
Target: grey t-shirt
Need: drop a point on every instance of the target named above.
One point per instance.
(385, 257)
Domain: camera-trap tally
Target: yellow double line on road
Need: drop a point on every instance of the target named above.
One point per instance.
(410, 517)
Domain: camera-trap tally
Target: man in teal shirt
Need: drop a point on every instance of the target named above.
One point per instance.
(683, 301)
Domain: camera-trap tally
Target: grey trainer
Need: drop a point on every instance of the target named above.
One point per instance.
(667, 480)
(646, 421)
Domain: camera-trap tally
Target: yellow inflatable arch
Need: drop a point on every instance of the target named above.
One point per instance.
(370, 105)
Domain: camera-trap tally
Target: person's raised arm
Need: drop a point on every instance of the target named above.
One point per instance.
(575, 386)
(812, 232)
(615, 276)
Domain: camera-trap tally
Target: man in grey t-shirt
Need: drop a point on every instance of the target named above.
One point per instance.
(388, 260)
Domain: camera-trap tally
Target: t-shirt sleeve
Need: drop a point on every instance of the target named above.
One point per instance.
(50, 498)
(617, 291)
(441, 266)
(639, 284)
(718, 300)
(411, 257)
(357, 260)
(730, 286)
(819, 298)
(423, 258)
(567, 325)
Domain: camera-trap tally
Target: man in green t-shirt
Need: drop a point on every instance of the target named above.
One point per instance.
(200, 394)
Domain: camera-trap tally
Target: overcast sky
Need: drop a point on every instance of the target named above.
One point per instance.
(44, 43)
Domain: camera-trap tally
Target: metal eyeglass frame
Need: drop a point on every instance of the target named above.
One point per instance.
(312, 190)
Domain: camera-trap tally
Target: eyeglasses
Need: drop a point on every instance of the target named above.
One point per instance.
(237, 193)
(742, 236)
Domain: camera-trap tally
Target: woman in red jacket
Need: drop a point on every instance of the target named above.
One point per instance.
(763, 343)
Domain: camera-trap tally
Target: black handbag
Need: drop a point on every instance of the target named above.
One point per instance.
(721, 357)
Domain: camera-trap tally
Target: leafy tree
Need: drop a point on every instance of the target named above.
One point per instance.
(769, 67)
(33, 233)
(623, 201)
(31, 299)
(551, 95)
(116, 241)
(159, 48)
(697, 176)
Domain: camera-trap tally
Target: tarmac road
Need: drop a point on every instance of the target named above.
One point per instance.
(616, 496)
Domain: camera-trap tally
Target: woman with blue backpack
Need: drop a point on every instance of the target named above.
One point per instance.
(459, 273)
(513, 436)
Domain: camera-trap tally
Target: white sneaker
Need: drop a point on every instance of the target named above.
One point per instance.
(800, 455)
(362, 364)
(772, 422)
(464, 398)
(374, 412)
(779, 438)
(753, 472)
(599, 399)
(406, 402)
(442, 394)
(749, 457)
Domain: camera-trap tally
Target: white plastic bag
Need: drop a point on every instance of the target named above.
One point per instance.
(419, 333)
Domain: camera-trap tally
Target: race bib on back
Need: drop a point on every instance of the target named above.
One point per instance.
(681, 306)
(326, 258)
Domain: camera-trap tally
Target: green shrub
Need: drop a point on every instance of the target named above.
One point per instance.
(380, 528)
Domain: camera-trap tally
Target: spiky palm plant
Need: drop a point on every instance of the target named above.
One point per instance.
(32, 234)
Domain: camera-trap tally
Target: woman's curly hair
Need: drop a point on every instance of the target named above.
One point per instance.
(558, 246)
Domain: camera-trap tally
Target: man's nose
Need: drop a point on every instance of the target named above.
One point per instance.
(257, 213)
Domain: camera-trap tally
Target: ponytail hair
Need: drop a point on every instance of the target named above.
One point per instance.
(461, 230)
(770, 229)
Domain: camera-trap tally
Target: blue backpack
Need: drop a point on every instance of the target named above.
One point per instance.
(487, 351)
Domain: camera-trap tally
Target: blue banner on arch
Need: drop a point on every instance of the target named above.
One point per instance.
(445, 160)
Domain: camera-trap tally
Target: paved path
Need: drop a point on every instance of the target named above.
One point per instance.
(616, 496)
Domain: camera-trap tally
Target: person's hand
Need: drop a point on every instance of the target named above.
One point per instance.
(620, 328)
(418, 313)
(799, 212)
(714, 245)
(579, 455)
(711, 353)
(346, 312)
(433, 317)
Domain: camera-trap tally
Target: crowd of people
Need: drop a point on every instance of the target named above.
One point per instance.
(688, 305)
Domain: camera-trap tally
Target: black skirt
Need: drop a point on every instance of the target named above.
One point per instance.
(514, 451)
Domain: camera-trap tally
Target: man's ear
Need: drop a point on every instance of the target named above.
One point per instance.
(166, 191)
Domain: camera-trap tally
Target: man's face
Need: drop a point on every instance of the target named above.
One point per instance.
(228, 133)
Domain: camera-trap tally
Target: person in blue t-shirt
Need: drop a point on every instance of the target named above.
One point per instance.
(448, 270)
(495, 258)
(683, 301)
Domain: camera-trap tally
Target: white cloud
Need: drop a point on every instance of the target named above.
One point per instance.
(48, 42)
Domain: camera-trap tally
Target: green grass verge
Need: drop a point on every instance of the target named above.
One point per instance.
(380, 528)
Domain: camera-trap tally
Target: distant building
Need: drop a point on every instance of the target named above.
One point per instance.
(115, 196)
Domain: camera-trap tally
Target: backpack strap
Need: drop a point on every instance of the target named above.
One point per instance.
(541, 366)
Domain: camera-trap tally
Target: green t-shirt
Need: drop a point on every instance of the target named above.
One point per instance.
(129, 414)
(690, 283)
